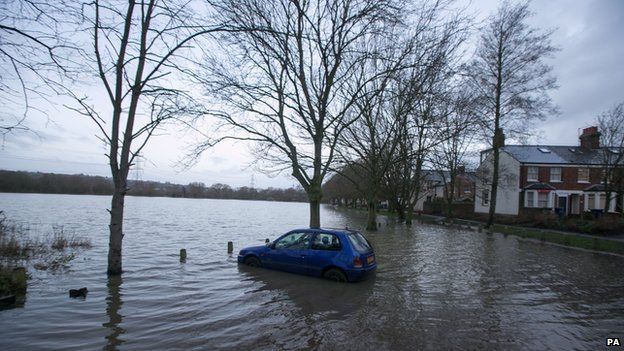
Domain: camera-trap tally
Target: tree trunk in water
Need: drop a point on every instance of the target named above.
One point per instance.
(449, 208)
(372, 215)
(315, 194)
(410, 214)
(494, 189)
(116, 232)
(450, 196)
(315, 214)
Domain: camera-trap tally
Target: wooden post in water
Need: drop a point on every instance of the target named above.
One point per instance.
(182, 255)
(230, 247)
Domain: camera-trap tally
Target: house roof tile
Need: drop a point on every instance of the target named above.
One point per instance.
(556, 154)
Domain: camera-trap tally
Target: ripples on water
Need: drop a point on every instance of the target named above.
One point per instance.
(435, 288)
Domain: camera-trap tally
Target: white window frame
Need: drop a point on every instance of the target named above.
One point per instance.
(548, 200)
(602, 201)
(526, 198)
(578, 175)
(552, 174)
(485, 200)
(529, 179)
(589, 207)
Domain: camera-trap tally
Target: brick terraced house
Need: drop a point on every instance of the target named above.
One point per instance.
(566, 179)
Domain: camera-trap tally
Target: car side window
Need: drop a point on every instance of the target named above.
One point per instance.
(324, 241)
(294, 241)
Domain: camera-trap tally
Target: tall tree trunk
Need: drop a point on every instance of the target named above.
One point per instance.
(494, 188)
(410, 214)
(449, 207)
(372, 214)
(116, 230)
(608, 195)
(315, 214)
(401, 214)
(498, 138)
(450, 196)
(315, 195)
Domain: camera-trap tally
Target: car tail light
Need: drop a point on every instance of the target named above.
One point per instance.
(357, 263)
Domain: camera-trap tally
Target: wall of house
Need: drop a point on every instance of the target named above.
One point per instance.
(464, 187)
(569, 176)
(507, 199)
(430, 190)
(568, 186)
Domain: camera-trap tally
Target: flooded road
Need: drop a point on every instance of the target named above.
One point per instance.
(435, 288)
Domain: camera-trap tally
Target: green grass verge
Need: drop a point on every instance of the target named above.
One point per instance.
(584, 242)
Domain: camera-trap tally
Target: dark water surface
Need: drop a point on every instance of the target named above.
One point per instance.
(435, 288)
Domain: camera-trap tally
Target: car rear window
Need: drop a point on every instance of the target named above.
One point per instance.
(359, 243)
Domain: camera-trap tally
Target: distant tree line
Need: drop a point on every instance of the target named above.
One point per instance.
(51, 183)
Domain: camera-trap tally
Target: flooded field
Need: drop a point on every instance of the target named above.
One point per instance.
(435, 288)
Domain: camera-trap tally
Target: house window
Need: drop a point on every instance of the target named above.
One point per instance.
(603, 201)
(485, 197)
(532, 174)
(583, 175)
(542, 199)
(591, 201)
(555, 174)
(530, 199)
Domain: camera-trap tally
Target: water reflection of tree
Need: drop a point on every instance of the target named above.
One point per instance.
(113, 305)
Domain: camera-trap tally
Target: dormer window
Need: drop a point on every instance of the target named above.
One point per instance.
(532, 174)
(555, 174)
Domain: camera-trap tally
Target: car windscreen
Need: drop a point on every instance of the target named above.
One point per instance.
(359, 243)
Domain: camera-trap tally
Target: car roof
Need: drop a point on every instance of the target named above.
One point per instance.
(325, 230)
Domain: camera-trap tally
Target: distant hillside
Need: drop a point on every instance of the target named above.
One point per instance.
(51, 183)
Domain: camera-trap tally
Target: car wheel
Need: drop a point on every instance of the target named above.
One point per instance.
(252, 261)
(335, 275)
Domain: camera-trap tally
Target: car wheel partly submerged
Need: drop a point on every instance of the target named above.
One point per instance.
(335, 275)
(252, 261)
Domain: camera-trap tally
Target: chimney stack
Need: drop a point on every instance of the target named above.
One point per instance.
(590, 138)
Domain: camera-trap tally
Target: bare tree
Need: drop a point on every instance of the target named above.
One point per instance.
(285, 88)
(420, 103)
(511, 80)
(365, 147)
(29, 48)
(459, 128)
(142, 54)
(611, 127)
(424, 49)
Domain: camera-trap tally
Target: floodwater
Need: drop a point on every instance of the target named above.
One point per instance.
(435, 288)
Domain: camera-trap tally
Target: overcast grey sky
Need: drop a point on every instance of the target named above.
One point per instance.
(589, 69)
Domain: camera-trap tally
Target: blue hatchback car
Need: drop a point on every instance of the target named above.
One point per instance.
(335, 254)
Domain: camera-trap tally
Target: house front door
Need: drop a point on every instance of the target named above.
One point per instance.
(575, 204)
(563, 204)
